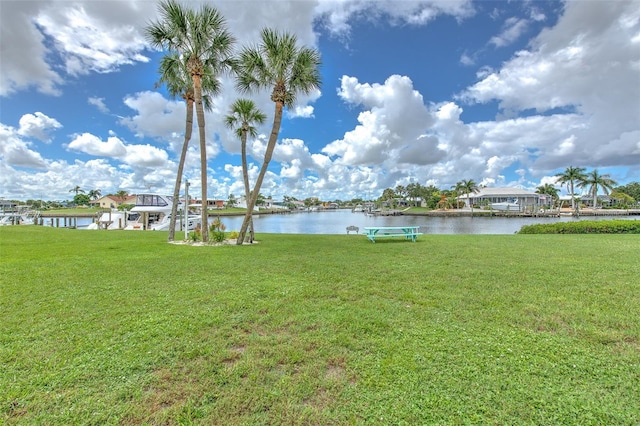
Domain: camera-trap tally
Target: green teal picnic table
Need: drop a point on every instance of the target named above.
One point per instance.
(408, 232)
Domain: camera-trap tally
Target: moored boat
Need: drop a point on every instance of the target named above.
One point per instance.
(155, 214)
(511, 206)
(114, 219)
(26, 217)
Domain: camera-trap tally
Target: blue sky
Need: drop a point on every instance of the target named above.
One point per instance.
(504, 93)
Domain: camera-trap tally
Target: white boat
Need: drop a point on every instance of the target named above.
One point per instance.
(25, 217)
(114, 219)
(155, 214)
(511, 206)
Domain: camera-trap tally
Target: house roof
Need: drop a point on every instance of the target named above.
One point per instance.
(500, 192)
(115, 198)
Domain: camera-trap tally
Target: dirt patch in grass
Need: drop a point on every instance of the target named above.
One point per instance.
(234, 356)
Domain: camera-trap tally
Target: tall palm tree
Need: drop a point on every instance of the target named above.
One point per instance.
(202, 40)
(173, 74)
(245, 114)
(570, 177)
(279, 64)
(594, 181)
(467, 187)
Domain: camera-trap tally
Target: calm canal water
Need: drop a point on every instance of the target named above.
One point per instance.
(335, 222)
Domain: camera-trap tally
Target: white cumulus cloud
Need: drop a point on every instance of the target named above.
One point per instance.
(394, 119)
(37, 126)
(93, 145)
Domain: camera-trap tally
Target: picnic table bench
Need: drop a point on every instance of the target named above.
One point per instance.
(408, 232)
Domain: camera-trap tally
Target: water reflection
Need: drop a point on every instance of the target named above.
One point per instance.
(335, 222)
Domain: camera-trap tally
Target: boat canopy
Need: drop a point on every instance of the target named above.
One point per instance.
(153, 200)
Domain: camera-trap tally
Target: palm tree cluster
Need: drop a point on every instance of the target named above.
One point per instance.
(432, 196)
(200, 49)
(467, 187)
(577, 177)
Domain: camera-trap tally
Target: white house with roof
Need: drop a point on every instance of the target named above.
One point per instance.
(524, 198)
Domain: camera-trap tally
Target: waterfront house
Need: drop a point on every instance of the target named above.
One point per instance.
(488, 196)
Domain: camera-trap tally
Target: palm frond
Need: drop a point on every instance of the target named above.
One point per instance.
(244, 114)
(278, 63)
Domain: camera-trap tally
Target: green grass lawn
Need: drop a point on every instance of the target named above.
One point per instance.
(120, 327)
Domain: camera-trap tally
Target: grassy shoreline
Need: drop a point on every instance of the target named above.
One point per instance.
(123, 328)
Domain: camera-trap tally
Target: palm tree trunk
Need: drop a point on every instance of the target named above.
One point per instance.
(275, 130)
(197, 89)
(183, 156)
(245, 177)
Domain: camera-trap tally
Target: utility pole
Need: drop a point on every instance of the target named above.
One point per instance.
(186, 209)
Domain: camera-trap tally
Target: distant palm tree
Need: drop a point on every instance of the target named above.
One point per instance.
(122, 194)
(414, 191)
(467, 187)
(231, 201)
(77, 190)
(279, 64)
(244, 114)
(570, 177)
(205, 44)
(174, 74)
(548, 189)
(388, 195)
(594, 181)
(94, 194)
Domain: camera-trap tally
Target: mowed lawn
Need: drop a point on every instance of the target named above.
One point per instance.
(120, 327)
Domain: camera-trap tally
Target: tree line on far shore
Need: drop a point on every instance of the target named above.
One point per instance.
(572, 177)
(624, 196)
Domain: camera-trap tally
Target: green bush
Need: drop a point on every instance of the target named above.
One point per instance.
(217, 236)
(216, 231)
(585, 227)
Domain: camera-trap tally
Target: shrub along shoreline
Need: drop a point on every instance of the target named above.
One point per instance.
(585, 227)
(123, 328)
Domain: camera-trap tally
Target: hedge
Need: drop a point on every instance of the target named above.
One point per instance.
(585, 227)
